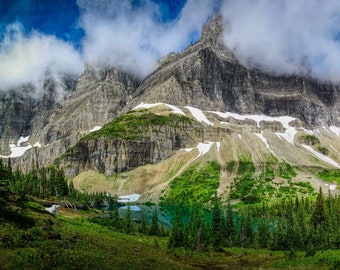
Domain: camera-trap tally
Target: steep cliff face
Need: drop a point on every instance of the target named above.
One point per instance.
(129, 142)
(208, 76)
(99, 95)
(25, 110)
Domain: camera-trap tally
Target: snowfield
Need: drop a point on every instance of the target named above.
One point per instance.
(17, 150)
(199, 115)
(151, 105)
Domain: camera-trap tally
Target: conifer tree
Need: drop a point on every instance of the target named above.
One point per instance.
(128, 220)
(177, 234)
(319, 217)
(217, 224)
(154, 229)
(229, 225)
(263, 234)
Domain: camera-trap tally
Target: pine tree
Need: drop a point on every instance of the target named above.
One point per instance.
(263, 234)
(177, 234)
(154, 229)
(128, 220)
(217, 224)
(116, 222)
(319, 217)
(229, 225)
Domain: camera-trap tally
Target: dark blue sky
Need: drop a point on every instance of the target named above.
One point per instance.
(60, 17)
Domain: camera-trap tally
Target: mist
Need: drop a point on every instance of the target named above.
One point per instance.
(134, 38)
(285, 36)
(28, 58)
(128, 35)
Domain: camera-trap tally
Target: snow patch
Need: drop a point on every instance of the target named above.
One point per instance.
(199, 115)
(289, 133)
(187, 149)
(53, 209)
(151, 105)
(284, 120)
(37, 144)
(264, 139)
(308, 131)
(95, 128)
(335, 129)
(203, 148)
(240, 136)
(128, 198)
(320, 156)
(218, 145)
(331, 186)
(22, 140)
(17, 150)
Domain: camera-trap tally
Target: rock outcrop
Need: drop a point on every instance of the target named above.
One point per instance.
(208, 76)
(99, 96)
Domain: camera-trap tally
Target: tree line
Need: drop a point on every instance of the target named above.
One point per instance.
(41, 182)
(299, 224)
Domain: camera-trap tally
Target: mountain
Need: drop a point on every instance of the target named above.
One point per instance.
(117, 134)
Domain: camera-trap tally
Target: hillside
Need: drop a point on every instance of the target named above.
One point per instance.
(133, 133)
(274, 146)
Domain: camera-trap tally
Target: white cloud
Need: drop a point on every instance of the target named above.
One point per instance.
(286, 36)
(27, 58)
(133, 39)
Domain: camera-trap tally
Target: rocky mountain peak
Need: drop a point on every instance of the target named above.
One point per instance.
(213, 28)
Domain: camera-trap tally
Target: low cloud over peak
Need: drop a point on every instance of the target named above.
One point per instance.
(283, 36)
(27, 58)
(286, 36)
(134, 38)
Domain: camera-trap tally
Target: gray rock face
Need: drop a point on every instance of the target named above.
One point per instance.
(24, 112)
(117, 155)
(99, 96)
(208, 76)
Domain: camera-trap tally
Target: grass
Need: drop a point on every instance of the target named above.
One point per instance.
(134, 124)
(330, 176)
(253, 185)
(194, 186)
(60, 242)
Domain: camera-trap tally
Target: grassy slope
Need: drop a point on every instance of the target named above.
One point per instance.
(30, 238)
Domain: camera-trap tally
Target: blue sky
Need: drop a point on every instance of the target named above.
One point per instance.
(61, 17)
(282, 36)
(60, 36)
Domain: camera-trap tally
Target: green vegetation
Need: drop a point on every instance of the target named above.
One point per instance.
(330, 176)
(194, 186)
(252, 187)
(309, 139)
(133, 125)
(323, 150)
(291, 233)
(291, 225)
